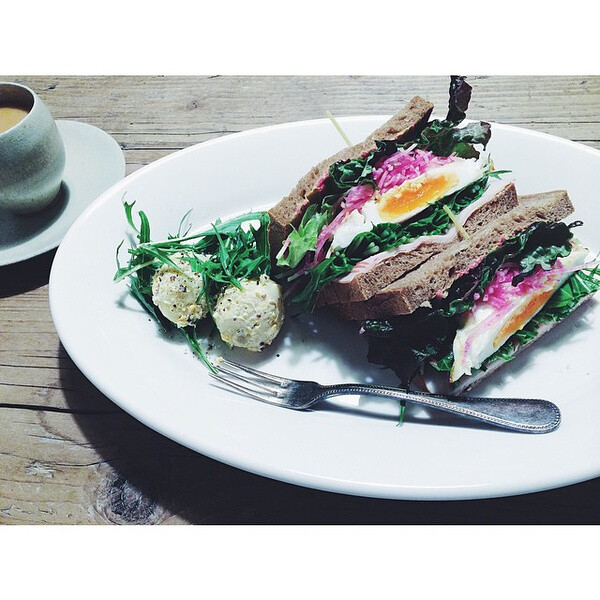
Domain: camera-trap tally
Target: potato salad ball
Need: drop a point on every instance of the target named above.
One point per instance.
(250, 317)
(177, 295)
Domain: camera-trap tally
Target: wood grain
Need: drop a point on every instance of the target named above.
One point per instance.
(68, 455)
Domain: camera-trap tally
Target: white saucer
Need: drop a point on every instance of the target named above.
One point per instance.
(94, 162)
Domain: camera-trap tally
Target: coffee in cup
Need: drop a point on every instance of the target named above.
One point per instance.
(10, 116)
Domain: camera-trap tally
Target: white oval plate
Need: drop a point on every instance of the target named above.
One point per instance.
(355, 448)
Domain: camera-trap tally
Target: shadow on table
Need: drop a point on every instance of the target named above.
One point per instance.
(26, 275)
(153, 474)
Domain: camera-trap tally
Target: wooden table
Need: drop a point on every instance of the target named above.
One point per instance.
(69, 455)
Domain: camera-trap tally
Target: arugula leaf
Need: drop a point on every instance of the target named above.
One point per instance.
(444, 363)
(497, 174)
(350, 173)
(304, 238)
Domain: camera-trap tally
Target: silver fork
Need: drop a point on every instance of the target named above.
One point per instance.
(516, 414)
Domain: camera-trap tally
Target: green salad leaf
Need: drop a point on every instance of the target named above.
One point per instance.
(350, 173)
(443, 138)
(304, 238)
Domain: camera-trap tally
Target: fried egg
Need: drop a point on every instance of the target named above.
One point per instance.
(403, 202)
(487, 327)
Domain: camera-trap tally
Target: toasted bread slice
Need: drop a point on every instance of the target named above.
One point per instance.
(402, 126)
(437, 274)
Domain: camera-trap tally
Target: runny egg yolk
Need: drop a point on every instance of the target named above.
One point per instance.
(522, 317)
(415, 194)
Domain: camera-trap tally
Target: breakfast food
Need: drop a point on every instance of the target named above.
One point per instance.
(414, 234)
(473, 306)
(250, 316)
(221, 274)
(364, 217)
(177, 291)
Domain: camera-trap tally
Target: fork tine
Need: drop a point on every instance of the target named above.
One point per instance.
(249, 392)
(243, 378)
(256, 373)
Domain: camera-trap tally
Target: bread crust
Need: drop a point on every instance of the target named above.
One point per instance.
(404, 125)
(437, 274)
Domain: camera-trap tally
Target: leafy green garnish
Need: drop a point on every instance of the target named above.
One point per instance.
(350, 173)
(402, 413)
(223, 255)
(444, 363)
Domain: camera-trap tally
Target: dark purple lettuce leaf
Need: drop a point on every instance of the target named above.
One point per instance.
(460, 96)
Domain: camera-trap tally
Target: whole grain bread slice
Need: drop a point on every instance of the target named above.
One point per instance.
(437, 274)
(404, 125)
(366, 281)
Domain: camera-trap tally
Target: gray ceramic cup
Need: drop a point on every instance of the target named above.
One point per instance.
(32, 154)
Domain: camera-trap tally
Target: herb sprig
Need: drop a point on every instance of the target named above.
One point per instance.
(223, 255)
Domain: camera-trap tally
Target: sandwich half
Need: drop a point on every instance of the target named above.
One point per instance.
(363, 218)
(475, 305)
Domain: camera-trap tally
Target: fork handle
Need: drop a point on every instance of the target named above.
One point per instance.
(517, 414)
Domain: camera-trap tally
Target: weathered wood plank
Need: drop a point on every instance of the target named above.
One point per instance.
(69, 455)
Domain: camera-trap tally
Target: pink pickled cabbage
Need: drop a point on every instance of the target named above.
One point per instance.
(500, 293)
(394, 170)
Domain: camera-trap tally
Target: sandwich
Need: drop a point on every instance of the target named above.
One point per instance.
(371, 213)
(416, 236)
(472, 307)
